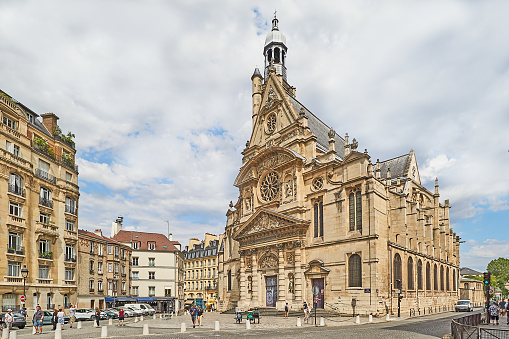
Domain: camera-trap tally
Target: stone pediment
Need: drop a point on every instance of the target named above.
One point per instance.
(264, 220)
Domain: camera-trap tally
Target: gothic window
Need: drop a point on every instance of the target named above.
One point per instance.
(229, 280)
(410, 272)
(435, 278)
(269, 187)
(271, 123)
(454, 280)
(428, 277)
(447, 285)
(441, 277)
(354, 271)
(398, 282)
(318, 184)
(419, 275)
(355, 207)
(318, 219)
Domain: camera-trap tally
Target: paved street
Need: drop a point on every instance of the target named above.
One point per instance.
(433, 326)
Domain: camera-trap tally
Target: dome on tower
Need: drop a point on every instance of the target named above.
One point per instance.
(275, 36)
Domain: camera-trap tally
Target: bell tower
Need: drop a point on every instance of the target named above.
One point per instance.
(275, 50)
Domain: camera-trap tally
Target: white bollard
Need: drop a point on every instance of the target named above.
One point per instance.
(141, 318)
(58, 332)
(145, 329)
(136, 319)
(322, 321)
(370, 318)
(79, 324)
(182, 327)
(299, 323)
(216, 326)
(358, 320)
(387, 317)
(34, 331)
(5, 333)
(154, 316)
(248, 324)
(104, 332)
(13, 335)
(110, 321)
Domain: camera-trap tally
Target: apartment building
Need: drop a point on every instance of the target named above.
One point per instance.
(200, 265)
(104, 266)
(39, 208)
(157, 268)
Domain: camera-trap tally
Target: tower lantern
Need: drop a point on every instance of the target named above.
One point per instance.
(275, 51)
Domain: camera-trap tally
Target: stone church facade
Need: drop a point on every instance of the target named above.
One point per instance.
(313, 210)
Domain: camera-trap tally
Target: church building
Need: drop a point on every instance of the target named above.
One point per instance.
(316, 215)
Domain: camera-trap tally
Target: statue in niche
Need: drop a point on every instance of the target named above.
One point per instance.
(249, 284)
(291, 288)
(248, 204)
(288, 189)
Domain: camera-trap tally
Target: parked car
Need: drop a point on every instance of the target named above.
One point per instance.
(136, 312)
(464, 305)
(85, 314)
(144, 308)
(149, 309)
(19, 320)
(110, 314)
(127, 313)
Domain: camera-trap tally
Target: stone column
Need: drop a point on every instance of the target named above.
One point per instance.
(243, 287)
(299, 275)
(281, 281)
(255, 280)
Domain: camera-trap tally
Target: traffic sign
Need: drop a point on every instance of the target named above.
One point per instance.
(492, 290)
(22, 298)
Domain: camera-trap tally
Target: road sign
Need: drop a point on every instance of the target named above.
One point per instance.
(367, 290)
(315, 290)
(339, 299)
(22, 298)
(492, 290)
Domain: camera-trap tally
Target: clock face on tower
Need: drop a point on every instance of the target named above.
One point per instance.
(271, 123)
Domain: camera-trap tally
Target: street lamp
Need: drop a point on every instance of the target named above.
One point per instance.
(24, 274)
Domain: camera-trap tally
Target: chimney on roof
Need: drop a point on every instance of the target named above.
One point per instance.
(49, 120)
(98, 232)
(116, 226)
(170, 237)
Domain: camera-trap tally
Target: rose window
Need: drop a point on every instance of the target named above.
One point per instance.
(269, 187)
(271, 123)
(318, 184)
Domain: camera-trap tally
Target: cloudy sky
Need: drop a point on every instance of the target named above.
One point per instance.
(158, 95)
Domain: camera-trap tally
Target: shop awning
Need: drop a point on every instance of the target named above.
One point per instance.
(163, 298)
(144, 299)
(110, 299)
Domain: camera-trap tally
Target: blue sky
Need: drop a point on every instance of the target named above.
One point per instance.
(158, 95)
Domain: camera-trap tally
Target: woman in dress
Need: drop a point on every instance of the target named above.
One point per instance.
(60, 316)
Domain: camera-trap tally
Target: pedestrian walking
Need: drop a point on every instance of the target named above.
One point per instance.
(54, 319)
(502, 306)
(23, 311)
(305, 307)
(72, 315)
(286, 310)
(494, 312)
(8, 319)
(200, 315)
(121, 317)
(194, 313)
(97, 316)
(38, 318)
(61, 315)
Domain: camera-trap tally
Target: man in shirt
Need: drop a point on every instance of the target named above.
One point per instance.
(8, 319)
(72, 315)
(38, 318)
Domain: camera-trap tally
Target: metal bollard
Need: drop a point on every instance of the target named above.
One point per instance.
(145, 329)
(58, 333)
(5, 333)
(370, 318)
(387, 317)
(357, 319)
(104, 332)
(299, 323)
(182, 327)
(216, 325)
(13, 335)
(248, 325)
(322, 321)
(110, 321)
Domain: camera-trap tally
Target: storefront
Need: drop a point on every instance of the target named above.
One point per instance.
(119, 301)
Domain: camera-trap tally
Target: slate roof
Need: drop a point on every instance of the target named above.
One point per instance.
(398, 166)
(469, 271)
(93, 235)
(144, 238)
(320, 129)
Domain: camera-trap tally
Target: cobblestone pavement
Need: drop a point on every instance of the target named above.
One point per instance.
(431, 326)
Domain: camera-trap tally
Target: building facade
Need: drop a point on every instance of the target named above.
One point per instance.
(200, 265)
(313, 212)
(104, 270)
(157, 268)
(39, 208)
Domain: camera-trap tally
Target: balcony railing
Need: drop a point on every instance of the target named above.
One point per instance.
(45, 202)
(44, 281)
(71, 235)
(19, 250)
(70, 259)
(45, 176)
(70, 209)
(46, 255)
(18, 190)
(69, 282)
(11, 279)
(47, 228)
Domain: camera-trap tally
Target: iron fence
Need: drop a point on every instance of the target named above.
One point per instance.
(468, 327)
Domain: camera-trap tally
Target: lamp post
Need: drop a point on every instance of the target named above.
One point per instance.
(24, 274)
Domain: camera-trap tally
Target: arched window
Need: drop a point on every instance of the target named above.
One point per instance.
(276, 55)
(318, 219)
(355, 271)
(419, 275)
(355, 207)
(410, 272)
(435, 278)
(447, 285)
(229, 280)
(428, 277)
(269, 55)
(454, 280)
(441, 277)
(398, 282)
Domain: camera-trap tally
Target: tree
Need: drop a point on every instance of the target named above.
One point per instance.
(499, 269)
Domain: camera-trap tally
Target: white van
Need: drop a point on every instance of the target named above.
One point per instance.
(142, 308)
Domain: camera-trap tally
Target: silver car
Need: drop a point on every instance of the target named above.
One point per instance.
(464, 305)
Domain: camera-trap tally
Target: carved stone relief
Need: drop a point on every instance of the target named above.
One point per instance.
(266, 222)
(269, 261)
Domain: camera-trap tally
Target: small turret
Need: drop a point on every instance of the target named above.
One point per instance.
(378, 173)
(257, 80)
(332, 141)
(347, 145)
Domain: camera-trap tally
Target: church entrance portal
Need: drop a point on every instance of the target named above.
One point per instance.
(319, 301)
(271, 290)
